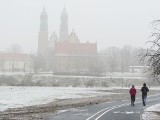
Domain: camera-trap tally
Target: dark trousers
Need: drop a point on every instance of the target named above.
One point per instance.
(132, 99)
(144, 99)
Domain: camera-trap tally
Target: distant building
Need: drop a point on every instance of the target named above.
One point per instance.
(65, 54)
(75, 57)
(137, 69)
(52, 40)
(15, 62)
(63, 34)
(43, 34)
(73, 38)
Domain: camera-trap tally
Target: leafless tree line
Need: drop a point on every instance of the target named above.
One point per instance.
(116, 59)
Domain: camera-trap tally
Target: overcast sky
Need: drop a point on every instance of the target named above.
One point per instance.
(107, 22)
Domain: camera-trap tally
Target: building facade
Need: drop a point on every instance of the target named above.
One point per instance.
(75, 57)
(15, 62)
(138, 69)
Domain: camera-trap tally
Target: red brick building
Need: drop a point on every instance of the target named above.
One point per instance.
(75, 57)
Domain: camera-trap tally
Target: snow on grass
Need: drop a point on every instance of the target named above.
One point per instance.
(155, 108)
(150, 113)
(13, 97)
(154, 88)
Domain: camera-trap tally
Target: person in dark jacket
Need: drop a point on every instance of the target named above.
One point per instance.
(132, 92)
(144, 91)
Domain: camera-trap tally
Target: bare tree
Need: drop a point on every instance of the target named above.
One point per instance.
(111, 56)
(15, 48)
(35, 62)
(115, 59)
(151, 55)
(125, 58)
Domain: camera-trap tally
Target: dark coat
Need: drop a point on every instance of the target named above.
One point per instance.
(144, 90)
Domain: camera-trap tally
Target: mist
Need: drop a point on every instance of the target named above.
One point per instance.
(109, 23)
(62, 55)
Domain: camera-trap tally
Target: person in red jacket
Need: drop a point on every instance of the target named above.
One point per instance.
(132, 92)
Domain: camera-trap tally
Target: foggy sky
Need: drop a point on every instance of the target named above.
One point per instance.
(107, 22)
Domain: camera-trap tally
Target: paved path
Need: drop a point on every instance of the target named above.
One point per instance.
(120, 110)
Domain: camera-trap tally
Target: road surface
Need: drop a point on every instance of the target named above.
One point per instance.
(121, 110)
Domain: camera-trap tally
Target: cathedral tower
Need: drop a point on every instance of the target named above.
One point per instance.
(64, 27)
(43, 34)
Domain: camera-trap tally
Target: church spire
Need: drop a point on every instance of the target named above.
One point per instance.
(43, 35)
(64, 26)
(44, 9)
(44, 20)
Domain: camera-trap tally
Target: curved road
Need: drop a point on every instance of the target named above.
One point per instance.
(120, 110)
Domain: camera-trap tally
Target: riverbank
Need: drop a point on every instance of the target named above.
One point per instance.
(41, 112)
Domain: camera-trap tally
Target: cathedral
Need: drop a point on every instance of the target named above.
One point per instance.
(64, 54)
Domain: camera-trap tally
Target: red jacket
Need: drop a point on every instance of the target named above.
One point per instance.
(132, 91)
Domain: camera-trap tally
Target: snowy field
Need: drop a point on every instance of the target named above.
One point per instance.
(14, 97)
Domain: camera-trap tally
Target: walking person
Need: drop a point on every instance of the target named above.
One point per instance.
(132, 92)
(144, 90)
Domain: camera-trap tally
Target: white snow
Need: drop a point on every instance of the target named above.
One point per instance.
(13, 97)
(150, 113)
(154, 88)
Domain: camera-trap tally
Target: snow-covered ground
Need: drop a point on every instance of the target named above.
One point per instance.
(151, 113)
(14, 97)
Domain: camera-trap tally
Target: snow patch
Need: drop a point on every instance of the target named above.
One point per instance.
(150, 113)
(14, 97)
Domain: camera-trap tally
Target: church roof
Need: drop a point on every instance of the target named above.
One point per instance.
(76, 49)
